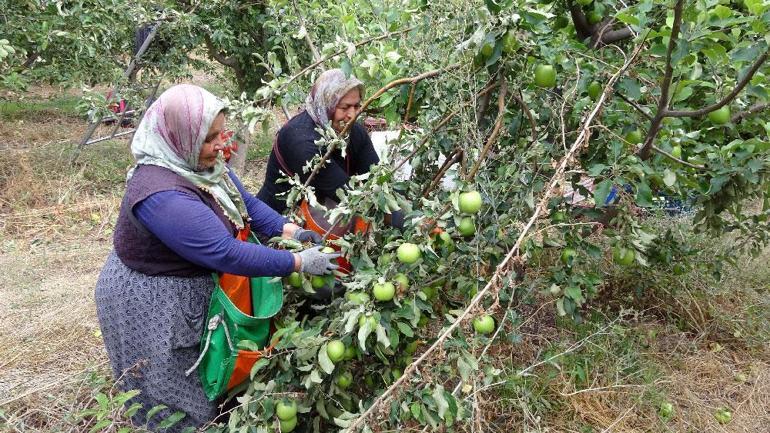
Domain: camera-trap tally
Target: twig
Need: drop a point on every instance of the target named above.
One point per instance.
(427, 137)
(635, 105)
(495, 131)
(618, 420)
(672, 157)
(308, 41)
(409, 104)
(456, 156)
(532, 124)
(335, 54)
(756, 108)
(663, 101)
(503, 268)
(726, 100)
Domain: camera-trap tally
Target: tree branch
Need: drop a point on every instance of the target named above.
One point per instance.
(582, 27)
(215, 54)
(756, 108)
(635, 105)
(533, 126)
(644, 152)
(726, 100)
(427, 137)
(308, 41)
(674, 158)
(495, 131)
(456, 156)
(330, 56)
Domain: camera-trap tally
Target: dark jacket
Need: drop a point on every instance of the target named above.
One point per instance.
(296, 144)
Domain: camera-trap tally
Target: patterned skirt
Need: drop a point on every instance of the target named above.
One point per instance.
(151, 327)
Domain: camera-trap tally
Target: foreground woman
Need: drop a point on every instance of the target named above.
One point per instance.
(177, 225)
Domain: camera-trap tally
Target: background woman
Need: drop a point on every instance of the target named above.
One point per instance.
(177, 222)
(334, 99)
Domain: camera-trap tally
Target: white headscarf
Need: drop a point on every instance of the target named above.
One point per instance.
(329, 88)
(171, 135)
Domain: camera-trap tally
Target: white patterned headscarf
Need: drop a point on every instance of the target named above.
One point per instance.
(171, 135)
(329, 88)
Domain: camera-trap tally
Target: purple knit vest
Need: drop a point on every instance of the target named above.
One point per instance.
(136, 246)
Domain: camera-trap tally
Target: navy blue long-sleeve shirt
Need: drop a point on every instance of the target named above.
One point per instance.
(296, 144)
(191, 229)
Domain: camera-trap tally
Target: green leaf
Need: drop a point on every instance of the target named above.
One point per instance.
(441, 403)
(601, 192)
(669, 178)
(405, 329)
(131, 411)
(323, 360)
(152, 412)
(172, 419)
(643, 194)
(382, 336)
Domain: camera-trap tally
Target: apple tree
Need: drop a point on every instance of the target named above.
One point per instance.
(573, 121)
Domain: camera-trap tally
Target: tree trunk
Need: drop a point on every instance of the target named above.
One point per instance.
(238, 160)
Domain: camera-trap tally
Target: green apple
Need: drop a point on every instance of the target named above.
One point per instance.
(484, 324)
(363, 319)
(286, 409)
(676, 151)
(510, 44)
(545, 76)
(408, 253)
(594, 17)
(402, 281)
(317, 281)
(666, 409)
(350, 353)
(327, 250)
(594, 90)
(634, 136)
(560, 22)
(429, 292)
(344, 379)
(467, 227)
(423, 321)
(679, 269)
(295, 279)
(723, 416)
(358, 298)
(487, 49)
(469, 202)
(446, 239)
(384, 291)
(568, 256)
(335, 349)
(411, 347)
(288, 425)
(623, 256)
(720, 116)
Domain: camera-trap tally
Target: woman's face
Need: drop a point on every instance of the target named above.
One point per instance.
(212, 145)
(346, 109)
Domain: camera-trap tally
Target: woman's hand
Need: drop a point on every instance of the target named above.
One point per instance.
(313, 261)
(293, 231)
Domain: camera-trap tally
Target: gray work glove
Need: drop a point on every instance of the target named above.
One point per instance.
(303, 235)
(317, 263)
